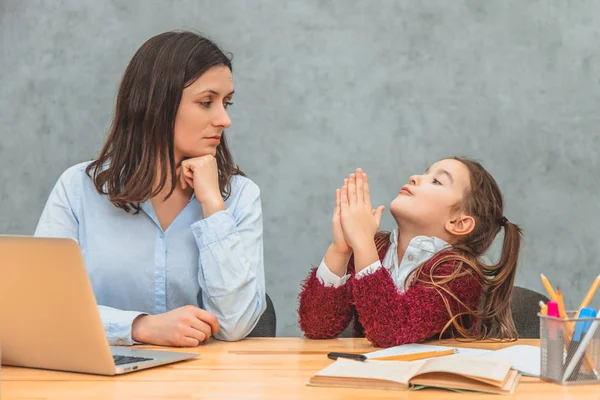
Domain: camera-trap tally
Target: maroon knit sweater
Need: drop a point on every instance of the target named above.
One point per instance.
(381, 313)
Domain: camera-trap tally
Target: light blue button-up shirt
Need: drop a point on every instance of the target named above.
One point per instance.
(135, 267)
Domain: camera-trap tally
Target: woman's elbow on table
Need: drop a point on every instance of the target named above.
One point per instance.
(237, 327)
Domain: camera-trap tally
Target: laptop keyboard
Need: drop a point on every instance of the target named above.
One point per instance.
(120, 360)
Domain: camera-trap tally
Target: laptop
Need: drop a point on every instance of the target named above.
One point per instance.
(48, 313)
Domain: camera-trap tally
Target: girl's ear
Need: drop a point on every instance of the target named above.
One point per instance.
(461, 225)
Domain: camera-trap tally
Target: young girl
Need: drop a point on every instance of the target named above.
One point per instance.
(426, 278)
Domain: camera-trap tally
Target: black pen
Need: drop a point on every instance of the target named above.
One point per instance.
(357, 357)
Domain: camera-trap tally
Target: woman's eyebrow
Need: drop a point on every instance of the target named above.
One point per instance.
(213, 92)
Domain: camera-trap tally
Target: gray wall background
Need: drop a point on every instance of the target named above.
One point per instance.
(323, 87)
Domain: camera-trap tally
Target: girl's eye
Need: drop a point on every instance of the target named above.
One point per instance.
(205, 103)
(436, 182)
(228, 104)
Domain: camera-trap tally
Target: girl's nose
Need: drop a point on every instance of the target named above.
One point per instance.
(414, 180)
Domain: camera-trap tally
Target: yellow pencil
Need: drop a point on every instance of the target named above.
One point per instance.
(416, 356)
(589, 295)
(543, 308)
(548, 287)
(561, 304)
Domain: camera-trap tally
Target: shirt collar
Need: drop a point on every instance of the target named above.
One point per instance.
(430, 244)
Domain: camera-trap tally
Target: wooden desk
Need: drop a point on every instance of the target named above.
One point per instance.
(275, 368)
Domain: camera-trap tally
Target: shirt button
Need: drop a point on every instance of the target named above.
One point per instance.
(121, 342)
(411, 258)
(418, 241)
(162, 234)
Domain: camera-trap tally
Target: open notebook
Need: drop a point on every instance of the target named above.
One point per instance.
(524, 358)
(459, 372)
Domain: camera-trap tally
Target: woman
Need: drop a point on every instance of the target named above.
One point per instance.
(169, 227)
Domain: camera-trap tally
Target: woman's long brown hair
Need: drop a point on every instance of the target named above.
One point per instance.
(483, 201)
(140, 140)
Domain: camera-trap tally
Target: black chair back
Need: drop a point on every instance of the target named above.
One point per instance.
(267, 324)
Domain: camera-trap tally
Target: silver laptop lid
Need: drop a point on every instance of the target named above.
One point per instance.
(48, 313)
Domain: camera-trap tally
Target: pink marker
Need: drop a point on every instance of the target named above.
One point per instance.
(554, 345)
(553, 309)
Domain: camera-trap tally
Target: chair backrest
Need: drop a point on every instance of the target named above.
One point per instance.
(267, 324)
(525, 307)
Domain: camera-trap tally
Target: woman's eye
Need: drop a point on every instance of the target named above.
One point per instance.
(436, 182)
(228, 104)
(205, 103)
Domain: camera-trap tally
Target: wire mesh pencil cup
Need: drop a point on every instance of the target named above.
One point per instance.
(570, 349)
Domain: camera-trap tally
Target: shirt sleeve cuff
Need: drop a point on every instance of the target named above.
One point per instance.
(214, 228)
(119, 331)
(328, 278)
(369, 269)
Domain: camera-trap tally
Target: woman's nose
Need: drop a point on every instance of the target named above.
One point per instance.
(222, 119)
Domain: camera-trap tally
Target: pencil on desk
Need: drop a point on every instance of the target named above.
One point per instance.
(416, 356)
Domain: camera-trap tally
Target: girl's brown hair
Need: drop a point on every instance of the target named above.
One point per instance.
(140, 140)
(483, 201)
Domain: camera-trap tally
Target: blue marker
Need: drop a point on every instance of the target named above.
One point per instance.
(574, 364)
(583, 326)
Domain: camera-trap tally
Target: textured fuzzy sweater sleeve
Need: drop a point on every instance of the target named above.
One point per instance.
(324, 311)
(391, 318)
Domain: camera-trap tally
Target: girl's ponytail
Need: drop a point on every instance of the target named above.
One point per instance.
(495, 313)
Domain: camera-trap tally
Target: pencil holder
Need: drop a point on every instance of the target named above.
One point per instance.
(570, 349)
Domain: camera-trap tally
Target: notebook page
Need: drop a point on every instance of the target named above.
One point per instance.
(457, 382)
(393, 371)
(476, 367)
(524, 358)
